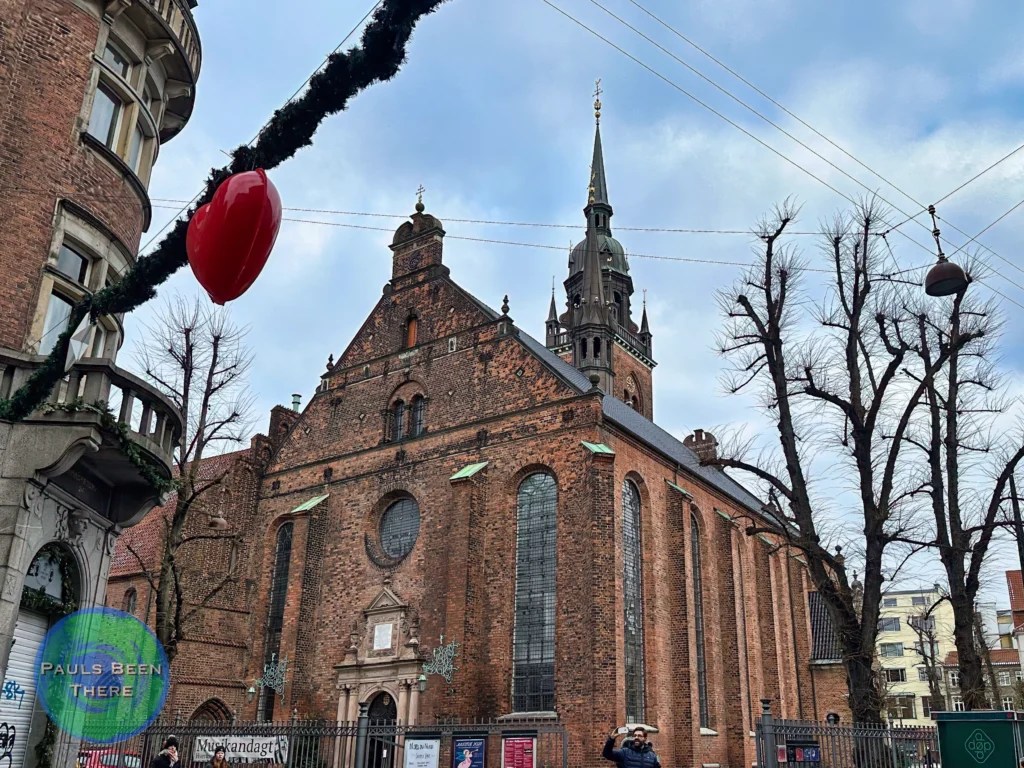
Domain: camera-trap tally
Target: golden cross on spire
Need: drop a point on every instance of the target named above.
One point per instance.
(597, 99)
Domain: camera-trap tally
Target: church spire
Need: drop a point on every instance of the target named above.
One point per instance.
(598, 180)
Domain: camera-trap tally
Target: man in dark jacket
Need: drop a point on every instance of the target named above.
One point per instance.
(635, 753)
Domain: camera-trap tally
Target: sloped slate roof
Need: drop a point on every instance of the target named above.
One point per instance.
(824, 638)
(645, 430)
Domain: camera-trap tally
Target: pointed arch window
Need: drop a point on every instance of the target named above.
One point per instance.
(417, 425)
(533, 642)
(698, 623)
(411, 331)
(632, 593)
(128, 603)
(597, 349)
(583, 349)
(397, 421)
(275, 619)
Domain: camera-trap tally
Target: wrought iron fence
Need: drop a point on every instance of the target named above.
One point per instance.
(810, 744)
(323, 744)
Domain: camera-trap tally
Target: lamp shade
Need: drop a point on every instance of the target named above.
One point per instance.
(945, 279)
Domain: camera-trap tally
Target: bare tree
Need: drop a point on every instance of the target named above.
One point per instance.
(833, 377)
(927, 647)
(971, 459)
(199, 359)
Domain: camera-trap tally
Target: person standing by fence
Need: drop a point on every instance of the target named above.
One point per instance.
(635, 753)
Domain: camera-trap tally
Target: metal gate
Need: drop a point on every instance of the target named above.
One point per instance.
(320, 744)
(810, 744)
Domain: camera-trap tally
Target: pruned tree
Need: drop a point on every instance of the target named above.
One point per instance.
(970, 455)
(199, 359)
(927, 647)
(833, 378)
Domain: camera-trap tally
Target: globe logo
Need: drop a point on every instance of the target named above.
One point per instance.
(102, 675)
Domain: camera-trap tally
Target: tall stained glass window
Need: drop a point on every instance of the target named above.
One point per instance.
(533, 642)
(275, 620)
(632, 590)
(698, 623)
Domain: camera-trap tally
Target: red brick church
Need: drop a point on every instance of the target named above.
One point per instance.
(455, 478)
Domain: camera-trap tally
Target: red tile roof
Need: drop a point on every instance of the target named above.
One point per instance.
(998, 655)
(146, 538)
(1016, 586)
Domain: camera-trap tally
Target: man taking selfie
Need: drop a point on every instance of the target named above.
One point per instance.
(636, 752)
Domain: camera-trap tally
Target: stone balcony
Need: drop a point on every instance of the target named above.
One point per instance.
(174, 38)
(76, 440)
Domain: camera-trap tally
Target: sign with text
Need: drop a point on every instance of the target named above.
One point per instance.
(242, 749)
(422, 753)
(803, 752)
(468, 753)
(518, 752)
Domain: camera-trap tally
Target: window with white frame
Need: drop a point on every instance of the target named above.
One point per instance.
(1008, 703)
(901, 707)
(958, 704)
(890, 650)
(895, 675)
(918, 600)
(889, 624)
(1004, 678)
(922, 674)
(954, 678)
(889, 602)
(1019, 674)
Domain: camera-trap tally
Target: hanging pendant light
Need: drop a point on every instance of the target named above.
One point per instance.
(945, 278)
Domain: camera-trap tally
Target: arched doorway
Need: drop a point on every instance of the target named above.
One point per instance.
(383, 716)
(212, 711)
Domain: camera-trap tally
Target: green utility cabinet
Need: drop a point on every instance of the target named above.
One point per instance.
(986, 739)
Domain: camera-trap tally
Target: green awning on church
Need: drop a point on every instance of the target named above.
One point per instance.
(597, 447)
(308, 505)
(468, 471)
(683, 491)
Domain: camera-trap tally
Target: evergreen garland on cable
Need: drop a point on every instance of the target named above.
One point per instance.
(378, 59)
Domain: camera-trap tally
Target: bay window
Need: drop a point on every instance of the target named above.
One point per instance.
(106, 114)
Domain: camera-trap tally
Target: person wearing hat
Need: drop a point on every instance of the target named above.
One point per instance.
(635, 753)
(168, 756)
(219, 758)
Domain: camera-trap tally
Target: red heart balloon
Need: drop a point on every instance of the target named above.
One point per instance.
(230, 238)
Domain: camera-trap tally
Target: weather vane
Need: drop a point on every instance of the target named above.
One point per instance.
(419, 194)
(597, 99)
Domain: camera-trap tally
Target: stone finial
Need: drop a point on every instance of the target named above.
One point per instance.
(703, 444)
(330, 362)
(504, 305)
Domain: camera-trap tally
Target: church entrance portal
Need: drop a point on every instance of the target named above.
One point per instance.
(383, 717)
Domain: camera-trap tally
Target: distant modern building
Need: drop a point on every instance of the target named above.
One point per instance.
(915, 636)
(89, 92)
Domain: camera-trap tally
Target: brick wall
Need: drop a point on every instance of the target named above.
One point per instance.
(46, 49)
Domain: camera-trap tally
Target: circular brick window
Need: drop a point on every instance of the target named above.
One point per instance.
(399, 527)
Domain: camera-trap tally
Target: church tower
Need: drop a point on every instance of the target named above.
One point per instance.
(597, 333)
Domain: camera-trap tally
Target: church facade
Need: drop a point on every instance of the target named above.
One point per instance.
(454, 480)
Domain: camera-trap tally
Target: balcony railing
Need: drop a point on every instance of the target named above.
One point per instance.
(152, 421)
(564, 339)
(177, 14)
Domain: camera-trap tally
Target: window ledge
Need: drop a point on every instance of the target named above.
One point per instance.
(708, 732)
(519, 716)
(129, 175)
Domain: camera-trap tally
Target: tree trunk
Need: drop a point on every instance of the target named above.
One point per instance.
(986, 659)
(972, 680)
(865, 702)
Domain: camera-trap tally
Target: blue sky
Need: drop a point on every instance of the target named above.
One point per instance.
(492, 114)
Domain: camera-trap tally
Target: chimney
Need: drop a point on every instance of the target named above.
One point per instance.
(703, 444)
(296, 402)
